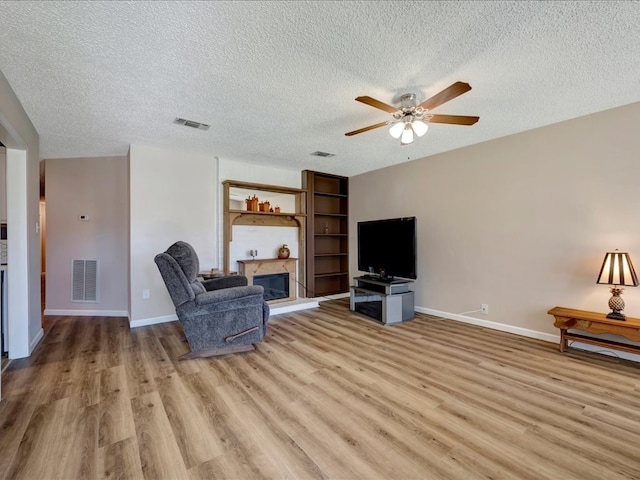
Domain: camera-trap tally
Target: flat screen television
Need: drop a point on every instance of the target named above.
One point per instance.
(387, 248)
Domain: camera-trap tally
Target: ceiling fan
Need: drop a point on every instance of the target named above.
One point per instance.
(410, 118)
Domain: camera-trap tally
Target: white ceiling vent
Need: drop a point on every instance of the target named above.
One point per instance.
(322, 154)
(84, 281)
(191, 123)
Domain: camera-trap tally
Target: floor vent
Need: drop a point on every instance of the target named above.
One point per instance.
(84, 281)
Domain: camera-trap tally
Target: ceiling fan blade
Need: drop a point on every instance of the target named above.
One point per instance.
(454, 119)
(377, 104)
(449, 93)
(366, 129)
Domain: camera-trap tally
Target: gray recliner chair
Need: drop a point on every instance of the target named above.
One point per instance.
(219, 316)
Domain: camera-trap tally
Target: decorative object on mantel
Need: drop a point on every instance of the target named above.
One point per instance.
(277, 210)
(253, 253)
(617, 270)
(252, 204)
(264, 206)
(284, 252)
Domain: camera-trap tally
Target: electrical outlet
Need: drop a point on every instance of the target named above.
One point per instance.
(484, 308)
(145, 294)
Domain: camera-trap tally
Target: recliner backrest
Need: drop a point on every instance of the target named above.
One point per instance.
(179, 267)
(186, 257)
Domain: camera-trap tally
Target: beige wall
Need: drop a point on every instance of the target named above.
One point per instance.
(96, 187)
(520, 223)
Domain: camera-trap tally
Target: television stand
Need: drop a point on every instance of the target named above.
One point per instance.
(387, 303)
(385, 280)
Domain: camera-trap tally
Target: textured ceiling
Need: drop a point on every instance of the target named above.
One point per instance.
(277, 80)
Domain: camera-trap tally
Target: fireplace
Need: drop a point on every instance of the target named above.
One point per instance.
(275, 274)
(276, 285)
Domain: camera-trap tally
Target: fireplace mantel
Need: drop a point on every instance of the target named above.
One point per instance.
(265, 266)
(297, 218)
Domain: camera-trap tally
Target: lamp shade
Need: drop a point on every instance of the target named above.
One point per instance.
(617, 269)
(419, 127)
(396, 129)
(407, 135)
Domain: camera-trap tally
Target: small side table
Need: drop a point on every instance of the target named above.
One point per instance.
(209, 274)
(598, 323)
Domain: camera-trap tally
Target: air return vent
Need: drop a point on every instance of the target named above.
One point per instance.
(84, 281)
(323, 154)
(191, 123)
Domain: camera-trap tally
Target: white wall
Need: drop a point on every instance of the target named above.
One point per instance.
(267, 240)
(173, 196)
(521, 223)
(250, 172)
(18, 259)
(23, 193)
(98, 188)
(178, 196)
(3, 185)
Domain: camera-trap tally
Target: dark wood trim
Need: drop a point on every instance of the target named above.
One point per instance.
(327, 233)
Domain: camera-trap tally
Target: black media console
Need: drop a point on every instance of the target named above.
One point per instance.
(387, 302)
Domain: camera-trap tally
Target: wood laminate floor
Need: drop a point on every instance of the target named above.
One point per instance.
(328, 394)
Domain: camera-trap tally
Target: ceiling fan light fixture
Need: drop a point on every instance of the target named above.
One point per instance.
(411, 119)
(407, 135)
(396, 129)
(419, 127)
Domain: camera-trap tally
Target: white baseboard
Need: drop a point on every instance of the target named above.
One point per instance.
(6, 364)
(299, 304)
(143, 322)
(87, 313)
(332, 297)
(35, 341)
(525, 332)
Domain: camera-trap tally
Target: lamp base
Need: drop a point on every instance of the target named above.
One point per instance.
(617, 316)
(616, 304)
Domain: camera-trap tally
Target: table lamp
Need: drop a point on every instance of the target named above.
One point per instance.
(617, 270)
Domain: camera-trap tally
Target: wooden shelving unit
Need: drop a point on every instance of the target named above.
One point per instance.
(233, 217)
(327, 250)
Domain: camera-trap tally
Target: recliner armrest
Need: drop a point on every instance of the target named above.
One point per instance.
(227, 294)
(225, 282)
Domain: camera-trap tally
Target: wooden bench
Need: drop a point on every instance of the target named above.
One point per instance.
(598, 323)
